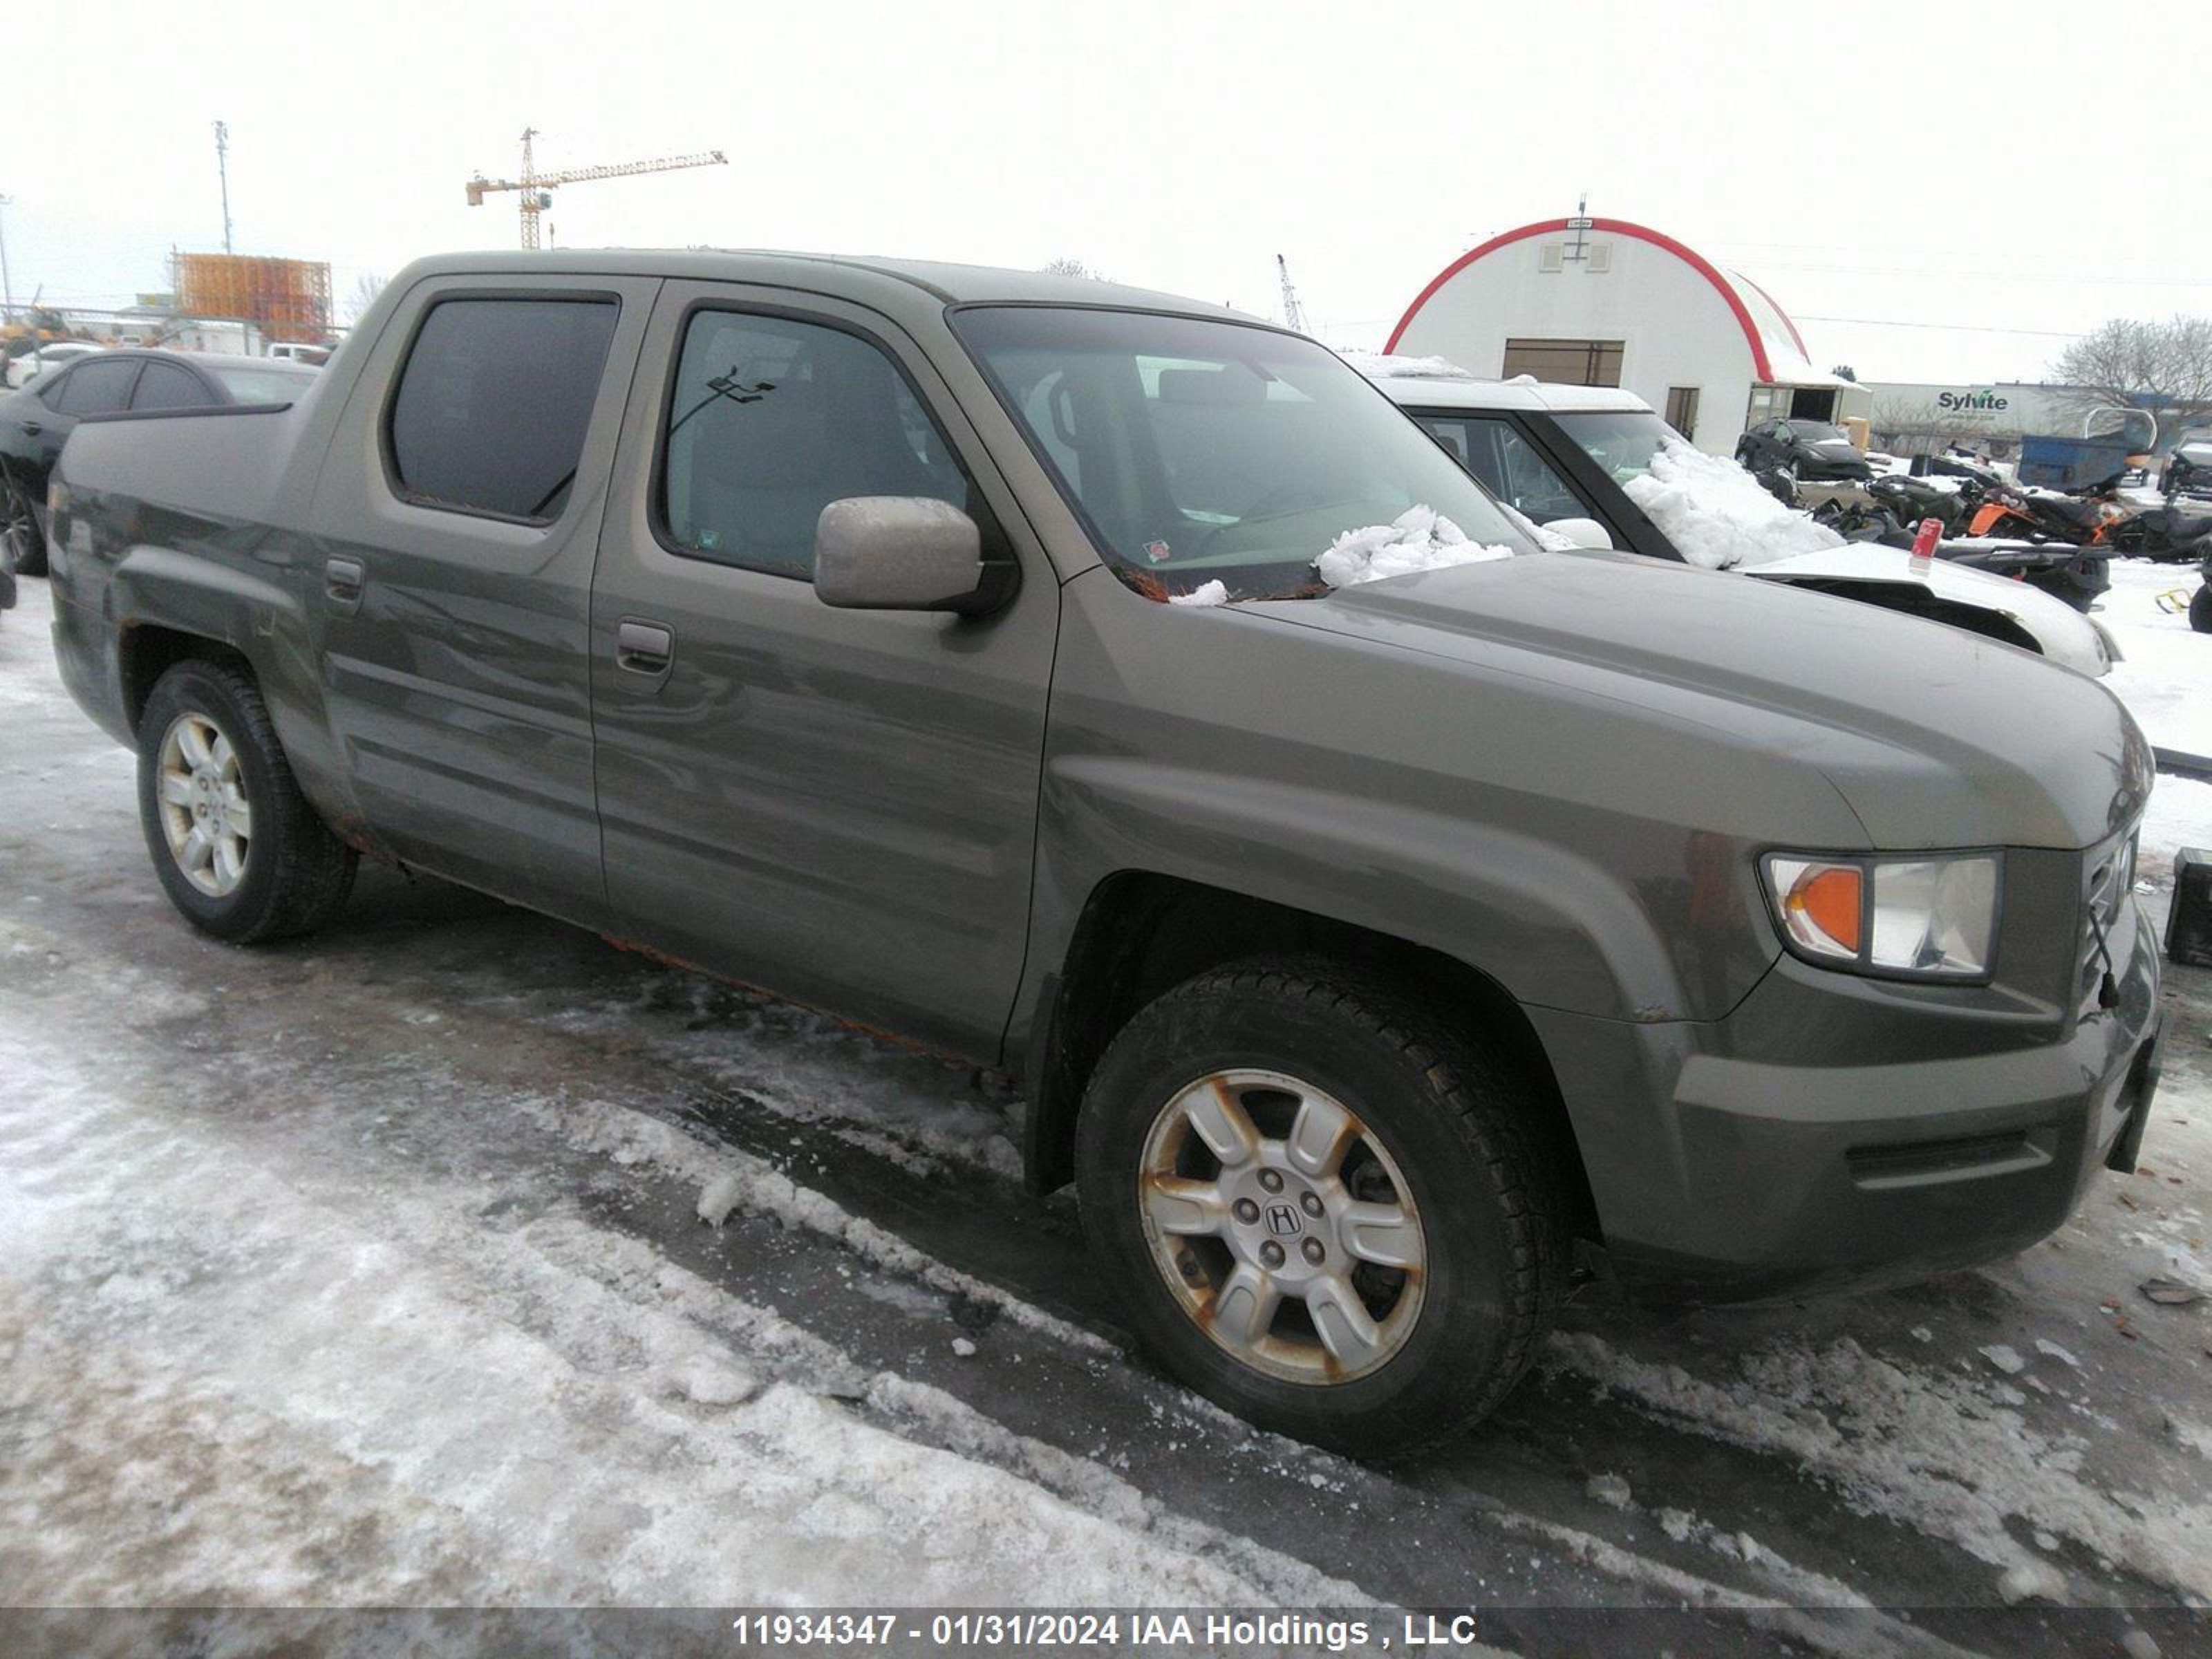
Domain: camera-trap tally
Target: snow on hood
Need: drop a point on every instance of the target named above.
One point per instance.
(1419, 538)
(1719, 516)
(1205, 594)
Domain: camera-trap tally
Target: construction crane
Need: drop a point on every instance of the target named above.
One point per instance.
(536, 187)
(1294, 314)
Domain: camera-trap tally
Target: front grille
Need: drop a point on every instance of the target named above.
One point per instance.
(2105, 889)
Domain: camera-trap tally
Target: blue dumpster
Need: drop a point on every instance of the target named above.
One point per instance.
(2072, 463)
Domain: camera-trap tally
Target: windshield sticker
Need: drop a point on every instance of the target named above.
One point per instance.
(1156, 552)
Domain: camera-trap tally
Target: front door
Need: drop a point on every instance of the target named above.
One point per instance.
(450, 578)
(836, 805)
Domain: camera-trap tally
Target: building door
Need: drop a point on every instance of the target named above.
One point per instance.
(1682, 411)
(1566, 363)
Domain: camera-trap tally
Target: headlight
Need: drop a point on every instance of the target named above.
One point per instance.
(1918, 918)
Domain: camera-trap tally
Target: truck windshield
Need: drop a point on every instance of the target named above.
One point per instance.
(1196, 451)
(1621, 440)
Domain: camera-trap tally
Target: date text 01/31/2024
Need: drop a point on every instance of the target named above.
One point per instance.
(1039, 1628)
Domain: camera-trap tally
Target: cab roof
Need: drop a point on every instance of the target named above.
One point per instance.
(933, 280)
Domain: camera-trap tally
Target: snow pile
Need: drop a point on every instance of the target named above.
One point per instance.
(1379, 366)
(1211, 593)
(1718, 514)
(1419, 538)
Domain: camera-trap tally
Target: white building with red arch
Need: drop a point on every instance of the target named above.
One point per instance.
(1604, 302)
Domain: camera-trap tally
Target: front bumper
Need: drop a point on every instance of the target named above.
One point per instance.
(1885, 1146)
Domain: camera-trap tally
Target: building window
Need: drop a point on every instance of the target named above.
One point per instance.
(1682, 410)
(1568, 362)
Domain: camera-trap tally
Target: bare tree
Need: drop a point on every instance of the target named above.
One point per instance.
(2164, 366)
(366, 288)
(1066, 266)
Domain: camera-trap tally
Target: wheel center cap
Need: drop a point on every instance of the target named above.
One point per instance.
(1283, 1220)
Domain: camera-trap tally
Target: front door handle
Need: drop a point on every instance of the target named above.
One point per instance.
(32, 429)
(644, 647)
(342, 581)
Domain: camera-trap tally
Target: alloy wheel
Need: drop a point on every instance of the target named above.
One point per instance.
(1282, 1226)
(201, 794)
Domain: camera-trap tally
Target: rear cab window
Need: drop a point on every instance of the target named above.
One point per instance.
(493, 401)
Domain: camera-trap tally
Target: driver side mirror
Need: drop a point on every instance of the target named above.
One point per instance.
(906, 553)
(1583, 532)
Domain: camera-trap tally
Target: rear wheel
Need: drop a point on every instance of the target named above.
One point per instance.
(1321, 1204)
(26, 547)
(236, 846)
(2200, 611)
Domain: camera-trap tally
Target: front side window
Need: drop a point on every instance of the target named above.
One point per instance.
(493, 403)
(1197, 451)
(98, 388)
(1507, 463)
(166, 386)
(772, 419)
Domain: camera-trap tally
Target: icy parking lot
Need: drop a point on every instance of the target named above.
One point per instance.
(456, 1257)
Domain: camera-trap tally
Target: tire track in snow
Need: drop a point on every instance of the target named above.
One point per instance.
(1927, 1448)
(295, 1291)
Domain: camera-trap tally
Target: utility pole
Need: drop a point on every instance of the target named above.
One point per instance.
(7, 286)
(223, 172)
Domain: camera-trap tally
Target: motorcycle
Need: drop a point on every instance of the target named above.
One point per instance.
(2168, 533)
(1888, 509)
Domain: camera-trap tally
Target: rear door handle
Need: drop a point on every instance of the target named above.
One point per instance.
(342, 581)
(644, 647)
(33, 428)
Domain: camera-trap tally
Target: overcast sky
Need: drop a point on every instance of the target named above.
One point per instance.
(1945, 177)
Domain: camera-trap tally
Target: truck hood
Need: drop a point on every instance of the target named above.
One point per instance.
(1936, 737)
(2060, 632)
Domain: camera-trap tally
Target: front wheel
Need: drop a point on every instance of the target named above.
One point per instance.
(2200, 611)
(236, 846)
(1323, 1204)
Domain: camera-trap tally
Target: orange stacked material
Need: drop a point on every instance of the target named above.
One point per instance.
(287, 298)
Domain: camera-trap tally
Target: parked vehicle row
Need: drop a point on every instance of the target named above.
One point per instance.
(1559, 453)
(1376, 959)
(37, 420)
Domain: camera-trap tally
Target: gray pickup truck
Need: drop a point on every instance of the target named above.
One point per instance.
(1381, 962)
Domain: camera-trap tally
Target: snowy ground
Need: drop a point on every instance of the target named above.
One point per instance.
(370, 1271)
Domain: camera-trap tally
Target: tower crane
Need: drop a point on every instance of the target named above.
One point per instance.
(1294, 314)
(536, 187)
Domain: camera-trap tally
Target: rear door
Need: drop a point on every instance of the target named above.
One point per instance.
(838, 806)
(457, 519)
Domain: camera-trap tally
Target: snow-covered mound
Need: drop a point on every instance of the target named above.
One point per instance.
(1381, 366)
(1718, 514)
(1419, 538)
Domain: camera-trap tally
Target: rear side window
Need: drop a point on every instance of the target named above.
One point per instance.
(97, 388)
(164, 386)
(771, 421)
(493, 401)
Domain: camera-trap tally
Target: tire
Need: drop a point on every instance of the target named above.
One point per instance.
(208, 755)
(2200, 611)
(1440, 1130)
(25, 541)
